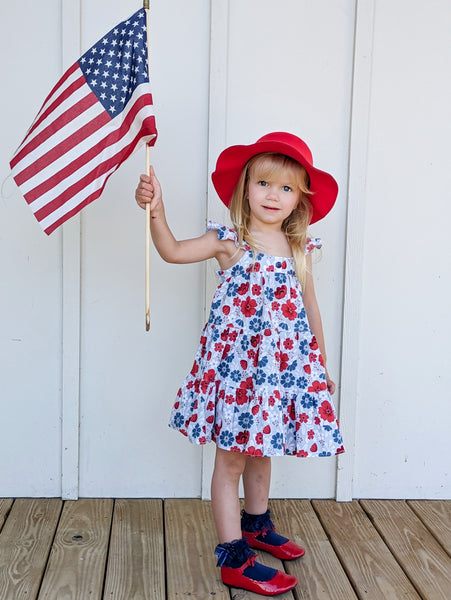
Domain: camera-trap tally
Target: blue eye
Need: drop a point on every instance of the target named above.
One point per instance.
(262, 183)
(286, 188)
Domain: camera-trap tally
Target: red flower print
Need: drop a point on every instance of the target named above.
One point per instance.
(307, 369)
(303, 418)
(312, 357)
(243, 289)
(241, 396)
(194, 369)
(313, 344)
(253, 451)
(242, 437)
(259, 438)
(226, 309)
(326, 412)
(314, 448)
(317, 386)
(248, 383)
(280, 292)
(317, 420)
(289, 310)
(288, 344)
(275, 306)
(271, 401)
(218, 347)
(265, 417)
(302, 454)
(283, 361)
(340, 450)
(270, 268)
(248, 307)
(266, 429)
(292, 412)
(255, 340)
(236, 301)
(193, 418)
(210, 406)
(293, 293)
(255, 409)
(233, 335)
(267, 332)
(256, 290)
(176, 405)
(202, 440)
(229, 399)
(226, 351)
(209, 356)
(321, 361)
(243, 364)
(310, 434)
(210, 419)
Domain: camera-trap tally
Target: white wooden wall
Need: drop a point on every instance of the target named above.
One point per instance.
(85, 392)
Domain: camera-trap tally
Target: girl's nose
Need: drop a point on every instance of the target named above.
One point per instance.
(272, 192)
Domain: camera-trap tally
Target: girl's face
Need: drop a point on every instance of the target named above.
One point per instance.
(272, 200)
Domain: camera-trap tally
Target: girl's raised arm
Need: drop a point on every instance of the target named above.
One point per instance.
(172, 250)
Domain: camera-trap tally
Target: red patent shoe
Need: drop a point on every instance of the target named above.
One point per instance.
(286, 551)
(278, 584)
(260, 533)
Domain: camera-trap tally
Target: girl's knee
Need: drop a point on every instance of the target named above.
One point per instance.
(232, 463)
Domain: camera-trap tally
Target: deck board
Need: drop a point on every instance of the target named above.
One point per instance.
(25, 543)
(100, 549)
(414, 547)
(372, 569)
(77, 562)
(436, 515)
(319, 571)
(136, 559)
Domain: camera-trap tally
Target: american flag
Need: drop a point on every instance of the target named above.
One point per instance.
(98, 114)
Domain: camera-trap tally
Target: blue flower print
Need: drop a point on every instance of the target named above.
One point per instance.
(263, 362)
(232, 289)
(235, 376)
(178, 420)
(280, 277)
(301, 326)
(245, 420)
(287, 380)
(325, 454)
(226, 438)
(221, 232)
(309, 401)
(303, 347)
(269, 294)
(260, 377)
(277, 441)
(292, 366)
(244, 342)
(238, 271)
(273, 379)
(337, 437)
(255, 325)
(216, 304)
(196, 431)
(223, 369)
(302, 382)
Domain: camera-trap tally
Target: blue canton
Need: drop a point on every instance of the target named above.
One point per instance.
(117, 64)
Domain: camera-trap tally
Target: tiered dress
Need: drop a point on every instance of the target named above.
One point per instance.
(258, 382)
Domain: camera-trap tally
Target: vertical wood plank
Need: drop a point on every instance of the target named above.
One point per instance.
(370, 566)
(190, 543)
(436, 515)
(358, 146)
(71, 288)
(25, 543)
(319, 571)
(77, 562)
(136, 559)
(417, 551)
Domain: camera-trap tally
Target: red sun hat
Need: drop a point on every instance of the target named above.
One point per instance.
(232, 160)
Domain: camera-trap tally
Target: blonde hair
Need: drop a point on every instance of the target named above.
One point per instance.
(266, 166)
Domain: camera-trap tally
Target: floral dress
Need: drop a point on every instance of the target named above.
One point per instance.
(258, 382)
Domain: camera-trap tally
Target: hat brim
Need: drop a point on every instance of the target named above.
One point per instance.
(233, 159)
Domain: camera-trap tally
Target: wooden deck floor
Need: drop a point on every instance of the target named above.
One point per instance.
(100, 549)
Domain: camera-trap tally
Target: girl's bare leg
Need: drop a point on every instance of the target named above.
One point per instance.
(256, 481)
(229, 467)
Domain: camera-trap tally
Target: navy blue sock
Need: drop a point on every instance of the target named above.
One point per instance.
(262, 523)
(235, 554)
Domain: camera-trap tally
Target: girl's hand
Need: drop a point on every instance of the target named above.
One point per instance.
(330, 384)
(149, 192)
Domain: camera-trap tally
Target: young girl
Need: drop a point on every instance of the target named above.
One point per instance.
(259, 386)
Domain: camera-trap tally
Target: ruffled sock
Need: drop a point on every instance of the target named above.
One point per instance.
(265, 527)
(234, 554)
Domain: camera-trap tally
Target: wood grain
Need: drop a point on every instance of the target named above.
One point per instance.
(417, 551)
(136, 560)
(319, 571)
(5, 506)
(76, 566)
(436, 515)
(370, 566)
(25, 543)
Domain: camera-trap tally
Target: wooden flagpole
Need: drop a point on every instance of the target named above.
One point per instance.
(146, 6)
